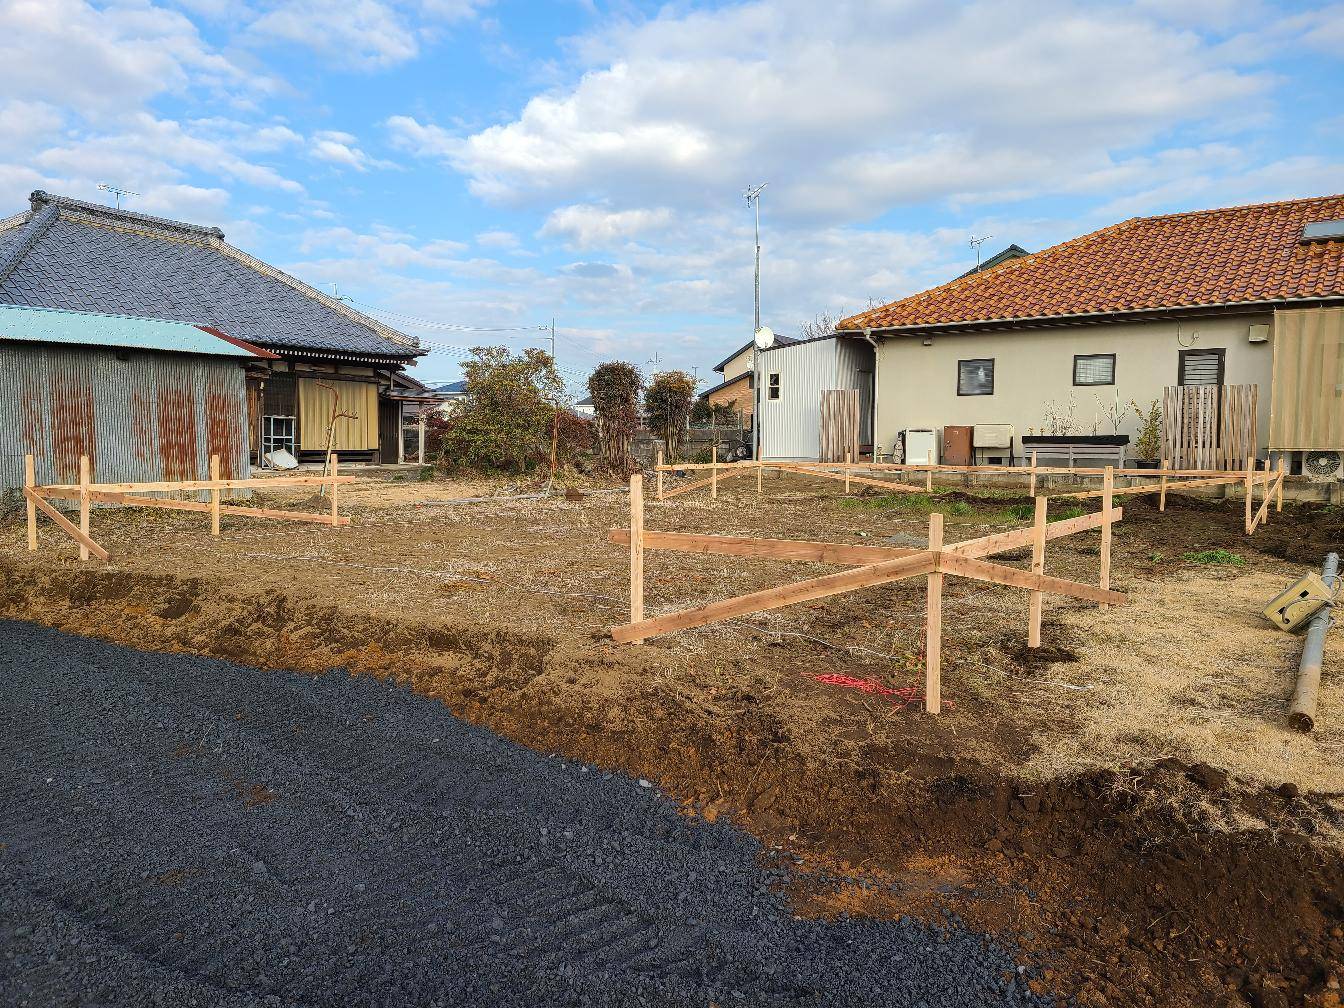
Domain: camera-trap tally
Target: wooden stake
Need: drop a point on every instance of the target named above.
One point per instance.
(928, 481)
(848, 459)
(637, 551)
(336, 471)
(1278, 506)
(1107, 488)
(658, 468)
(714, 474)
(30, 481)
(84, 505)
(760, 468)
(1031, 482)
(1162, 493)
(1250, 491)
(214, 497)
(933, 625)
(1036, 599)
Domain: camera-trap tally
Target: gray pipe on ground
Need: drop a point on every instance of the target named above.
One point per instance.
(1302, 711)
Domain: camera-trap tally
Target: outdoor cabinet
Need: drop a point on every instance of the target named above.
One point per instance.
(957, 446)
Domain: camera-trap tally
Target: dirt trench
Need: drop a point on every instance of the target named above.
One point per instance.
(1161, 884)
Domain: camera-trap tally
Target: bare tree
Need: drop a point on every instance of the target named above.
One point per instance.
(822, 325)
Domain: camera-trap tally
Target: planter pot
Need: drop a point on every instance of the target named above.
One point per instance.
(1145, 463)
(1099, 440)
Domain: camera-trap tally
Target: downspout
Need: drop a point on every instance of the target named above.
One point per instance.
(877, 358)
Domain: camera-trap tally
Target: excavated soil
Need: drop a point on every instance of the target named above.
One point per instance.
(1125, 803)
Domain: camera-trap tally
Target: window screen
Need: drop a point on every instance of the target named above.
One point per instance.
(1201, 367)
(1094, 369)
(975, 377)
(774, 386)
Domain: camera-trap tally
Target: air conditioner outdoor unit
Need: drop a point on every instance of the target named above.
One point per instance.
(1323, 466)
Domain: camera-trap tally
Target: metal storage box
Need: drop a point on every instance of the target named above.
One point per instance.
(957, 446)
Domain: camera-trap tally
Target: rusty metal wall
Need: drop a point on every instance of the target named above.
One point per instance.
(152, 416)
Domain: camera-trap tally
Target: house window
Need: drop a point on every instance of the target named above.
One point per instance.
(1201, 367)
(1094, 369)
(774, 385)
(975, 377)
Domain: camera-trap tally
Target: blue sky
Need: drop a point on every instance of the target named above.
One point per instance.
(495, 165)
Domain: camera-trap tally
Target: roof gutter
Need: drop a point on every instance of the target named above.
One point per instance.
(1040, 321)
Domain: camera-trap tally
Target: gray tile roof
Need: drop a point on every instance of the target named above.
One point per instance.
(84, 257)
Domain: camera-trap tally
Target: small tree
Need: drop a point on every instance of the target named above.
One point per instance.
(506, 417)
(667, 405)
(615, 388)
(822, 325)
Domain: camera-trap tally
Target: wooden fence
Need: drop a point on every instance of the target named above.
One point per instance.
(871, 565)
(1210, 426)
(88, 493)
(1165, 479)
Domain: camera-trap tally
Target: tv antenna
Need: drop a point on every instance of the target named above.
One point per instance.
(975, 243)
(117, 192)
(753, 196)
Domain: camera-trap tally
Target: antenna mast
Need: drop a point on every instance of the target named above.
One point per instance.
(975, 243)
(753, 195)
(117, 192)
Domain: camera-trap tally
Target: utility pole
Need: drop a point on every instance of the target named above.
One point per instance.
(753, 195)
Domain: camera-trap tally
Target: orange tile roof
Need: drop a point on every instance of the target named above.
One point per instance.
(1187, 260)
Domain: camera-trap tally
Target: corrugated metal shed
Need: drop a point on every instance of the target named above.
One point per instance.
(53, 325)
(791, 424)
(141, 413)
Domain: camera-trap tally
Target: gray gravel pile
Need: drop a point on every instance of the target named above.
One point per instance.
(179, 831)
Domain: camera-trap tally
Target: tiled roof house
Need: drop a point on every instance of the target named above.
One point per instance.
(68, 254)
(1205, 297)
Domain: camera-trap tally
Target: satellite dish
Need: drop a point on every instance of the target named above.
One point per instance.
(765, 338)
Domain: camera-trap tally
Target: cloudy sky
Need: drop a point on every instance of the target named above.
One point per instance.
(463, 163)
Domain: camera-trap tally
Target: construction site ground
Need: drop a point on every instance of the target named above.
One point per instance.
(1125, 805)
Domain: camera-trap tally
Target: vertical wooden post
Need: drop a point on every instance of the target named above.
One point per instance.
(84, 503)
(848, 459)
(658, 468)
(1036, 599)
(714, 473)
(1278, 503)
(637, 549)
(335, 488)
(760, 468)
(420, 439)
(1250, 490)
(933, 625)
(1107, 517)
(30, 481)
(1162, 493)
(1031, 483)
(214, 496)
(928, 480)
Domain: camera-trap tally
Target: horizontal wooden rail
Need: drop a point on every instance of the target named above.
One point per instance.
(130, 500)
(231, 484)
(851, 478)
(1152, 487)
(982, 570)
(776, 549)
(1000, 541)
(1024, 470)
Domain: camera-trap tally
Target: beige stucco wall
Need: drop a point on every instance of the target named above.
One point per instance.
(917, 384)
(741, 364)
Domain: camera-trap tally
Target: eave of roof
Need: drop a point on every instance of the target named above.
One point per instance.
(53, 325)
(779, 341)
(723, 385)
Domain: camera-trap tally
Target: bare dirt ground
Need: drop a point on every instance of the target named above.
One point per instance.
(1125, 802)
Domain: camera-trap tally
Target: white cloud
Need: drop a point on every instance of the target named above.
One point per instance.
(497, 239)
(95, 61)
(583, 225)
(342, 149)
(849, 107)
(367, 34)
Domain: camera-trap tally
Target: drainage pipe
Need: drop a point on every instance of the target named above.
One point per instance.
(1302, 711)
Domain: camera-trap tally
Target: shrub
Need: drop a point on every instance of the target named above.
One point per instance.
(667, 405)
(615, 388)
